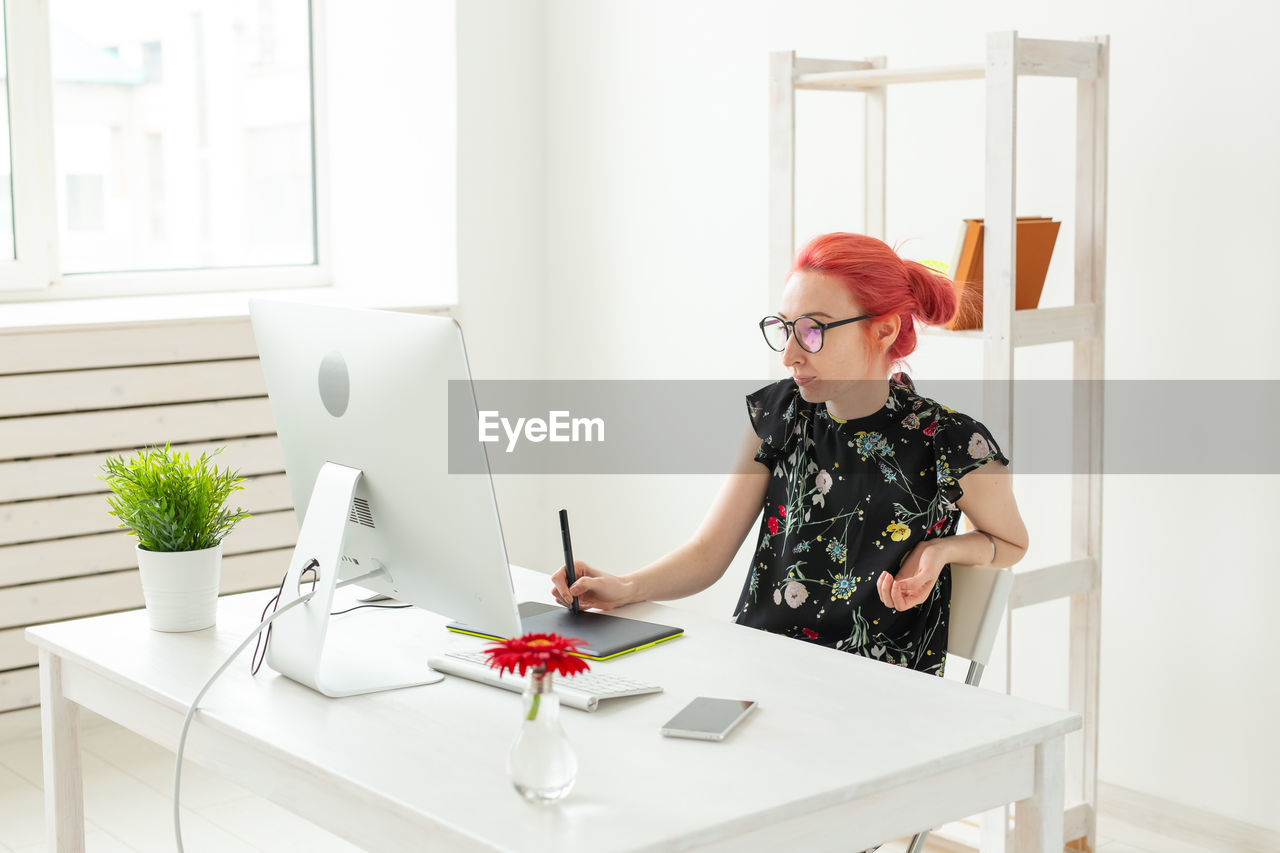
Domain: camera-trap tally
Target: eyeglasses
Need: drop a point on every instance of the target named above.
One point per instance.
(808, 331)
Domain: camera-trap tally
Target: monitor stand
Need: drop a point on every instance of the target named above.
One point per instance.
(297, 648)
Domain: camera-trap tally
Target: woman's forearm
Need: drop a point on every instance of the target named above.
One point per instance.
(975, 549)
(701, 561)
(685, 571)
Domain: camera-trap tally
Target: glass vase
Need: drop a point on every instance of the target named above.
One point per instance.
(541, 764)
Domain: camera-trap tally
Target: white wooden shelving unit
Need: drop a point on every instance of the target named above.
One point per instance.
(1004, 328)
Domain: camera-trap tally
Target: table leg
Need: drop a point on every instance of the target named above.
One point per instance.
(1037, 820)
(60, 738)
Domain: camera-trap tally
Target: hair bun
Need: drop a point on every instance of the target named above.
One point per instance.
(935, 294)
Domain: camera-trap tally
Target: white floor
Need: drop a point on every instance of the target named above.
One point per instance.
(127, 782)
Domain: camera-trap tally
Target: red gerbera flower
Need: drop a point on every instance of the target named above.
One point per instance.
(549, 652)
(773, 524)
(810, 633)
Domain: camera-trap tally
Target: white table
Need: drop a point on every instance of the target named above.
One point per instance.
(843, 752)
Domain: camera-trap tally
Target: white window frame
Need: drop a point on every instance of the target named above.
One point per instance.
(35, 274)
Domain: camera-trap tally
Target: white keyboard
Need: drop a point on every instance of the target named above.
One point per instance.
(583, 691)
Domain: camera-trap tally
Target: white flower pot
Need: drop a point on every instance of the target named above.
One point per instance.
(180, 587)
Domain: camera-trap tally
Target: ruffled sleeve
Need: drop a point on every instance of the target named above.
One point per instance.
(961, 444)
(773, 411)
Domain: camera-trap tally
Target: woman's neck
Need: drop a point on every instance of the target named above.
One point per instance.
(863, 397)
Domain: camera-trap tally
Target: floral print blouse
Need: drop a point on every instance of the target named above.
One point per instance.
(847, 500)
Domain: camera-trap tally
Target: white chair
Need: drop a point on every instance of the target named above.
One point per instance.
(978, 598)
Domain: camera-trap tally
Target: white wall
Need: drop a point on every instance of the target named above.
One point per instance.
(414, 89)
(655, 209)
(392, 99)
(501, 215)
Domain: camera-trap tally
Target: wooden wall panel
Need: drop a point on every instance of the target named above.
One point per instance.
(15, 651)
(53, 601)
(33, 562)
(63, 517)
(100, 594)
(107, 388)
(127, 429)
(68, 398)
(42, 350)
(61, 476)
(19, 688)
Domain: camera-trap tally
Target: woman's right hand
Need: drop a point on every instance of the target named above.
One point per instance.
(595, 589)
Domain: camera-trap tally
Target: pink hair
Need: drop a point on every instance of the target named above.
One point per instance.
(882, 283)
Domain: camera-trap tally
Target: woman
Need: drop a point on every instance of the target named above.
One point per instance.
(862, 481)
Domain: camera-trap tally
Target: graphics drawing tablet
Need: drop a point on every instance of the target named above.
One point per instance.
(604, 636)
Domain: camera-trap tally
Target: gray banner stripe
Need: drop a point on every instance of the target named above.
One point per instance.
(694, 426)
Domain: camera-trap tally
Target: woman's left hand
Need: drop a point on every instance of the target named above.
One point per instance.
(916, 577)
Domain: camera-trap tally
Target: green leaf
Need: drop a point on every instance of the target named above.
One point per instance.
(170, 502)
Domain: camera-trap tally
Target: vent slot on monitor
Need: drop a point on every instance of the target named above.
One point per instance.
(360, 513)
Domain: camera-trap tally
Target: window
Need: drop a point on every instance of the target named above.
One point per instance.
(85, 204)
(156, 192)
(184, 148)
(277, 187)
(152, 62)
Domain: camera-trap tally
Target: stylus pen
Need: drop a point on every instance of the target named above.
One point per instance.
(568, 557)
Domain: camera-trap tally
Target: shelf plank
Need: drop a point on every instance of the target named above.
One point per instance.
(872, 78)
(1053, 58)
(1036, 326)
(1058, 580)
(1052, 325)
(1036, 58)
(812, 65)
(944, 332)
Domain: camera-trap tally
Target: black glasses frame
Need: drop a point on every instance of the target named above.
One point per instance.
(790, 326)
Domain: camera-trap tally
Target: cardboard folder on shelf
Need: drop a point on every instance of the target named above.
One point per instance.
(1036, 236)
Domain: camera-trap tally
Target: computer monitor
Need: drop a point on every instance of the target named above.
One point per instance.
(360, 402)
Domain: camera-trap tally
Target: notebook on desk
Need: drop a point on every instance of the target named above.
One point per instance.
(604, 636)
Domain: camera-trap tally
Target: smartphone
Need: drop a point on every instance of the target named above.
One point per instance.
(708, 719)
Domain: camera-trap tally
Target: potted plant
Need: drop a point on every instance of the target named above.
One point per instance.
(178, 509)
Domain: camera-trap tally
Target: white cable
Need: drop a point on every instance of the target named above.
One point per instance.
(186, 723)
